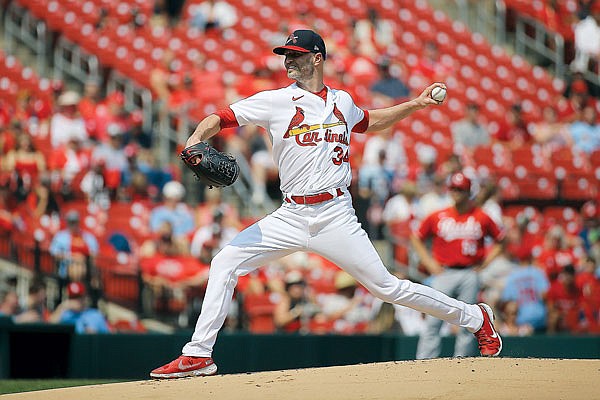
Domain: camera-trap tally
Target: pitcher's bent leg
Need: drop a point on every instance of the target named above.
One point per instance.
(253, 247)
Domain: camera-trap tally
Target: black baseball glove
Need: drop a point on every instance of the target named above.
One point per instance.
(211, 167)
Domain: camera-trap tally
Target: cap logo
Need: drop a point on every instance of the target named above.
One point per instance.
(316, 48)
(292, 39)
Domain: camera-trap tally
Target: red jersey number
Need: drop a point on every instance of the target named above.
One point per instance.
(340, 156)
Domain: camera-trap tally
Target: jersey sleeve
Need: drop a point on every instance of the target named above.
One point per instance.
(356, 115)
(362, 126)
(425, 227)
(227, 117)
(493, 229)
(256, 109)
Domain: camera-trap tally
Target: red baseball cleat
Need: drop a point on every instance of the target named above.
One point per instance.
(185, 366)
(490, 343)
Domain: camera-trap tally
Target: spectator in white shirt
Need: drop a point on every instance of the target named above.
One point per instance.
(67, 124)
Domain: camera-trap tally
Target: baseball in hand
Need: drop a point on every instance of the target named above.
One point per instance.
(438, 94)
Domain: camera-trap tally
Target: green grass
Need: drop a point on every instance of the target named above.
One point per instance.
(28, 385)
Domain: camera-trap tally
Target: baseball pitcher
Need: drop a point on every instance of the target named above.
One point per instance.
(310, 126)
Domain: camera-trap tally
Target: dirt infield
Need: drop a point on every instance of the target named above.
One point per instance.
(464, 379)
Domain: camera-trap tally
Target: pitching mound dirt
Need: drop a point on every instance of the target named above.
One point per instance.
(464, 379)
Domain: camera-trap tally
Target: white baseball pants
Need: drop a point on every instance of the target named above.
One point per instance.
(332, 230)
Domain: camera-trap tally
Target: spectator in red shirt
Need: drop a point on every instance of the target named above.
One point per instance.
(565, 303)
(589, 284)
(555, 254)
(457, 254)
(295, 310)
(513, 130)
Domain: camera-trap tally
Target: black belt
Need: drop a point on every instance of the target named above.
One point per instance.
(457, 266)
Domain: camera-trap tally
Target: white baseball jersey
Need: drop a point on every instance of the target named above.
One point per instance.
(310, 137)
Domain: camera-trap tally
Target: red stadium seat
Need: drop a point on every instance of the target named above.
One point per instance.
(532, 187)
(580, 188)
(259, 308)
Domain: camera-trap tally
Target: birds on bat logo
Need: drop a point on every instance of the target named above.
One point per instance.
(292, 39)
(295, 122)
(297, 127)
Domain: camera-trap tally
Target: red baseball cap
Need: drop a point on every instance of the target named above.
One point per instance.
(75, 290)
(459, 181)
(304, 41)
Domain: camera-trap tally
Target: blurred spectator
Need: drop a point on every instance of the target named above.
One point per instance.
(373, 34)
(252, 141)
(91, 97)
(8, 135)
(70, 241)
(588, 281)
(389, 88)
(360, 67)
(389, 141)
(36, 309)
(512, 131)
(430, 66)
(457, 255)
(214, 204)
(402, 206)
(7, 207)
(157, 177)
(492, 279)
(136, 135)
(109, 112)
(587, 42)
(163, 74)
(260, 79)
(69, 160)
(67, 124)
(208, 240)
(565, 303)
(139, 190)
(426, 172)
(550, 133)
(526, 286)
(509, 324)
(164, 243)
(488, 198)
(88, 106)
(435, 199)
(295, 309)
(585, 131)
(213, 14)
(94, 187)
(9, 302)
(590, 232)
(374, 184)
(350, 308)
(469, 132)
(76, 311)
(174, 210)
(112, 156)
(25, 163)
(43, 199)
(584, 8)
(556, 252)
(453, 165)
(571, 108)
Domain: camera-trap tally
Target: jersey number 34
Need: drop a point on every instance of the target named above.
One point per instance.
(340, 156)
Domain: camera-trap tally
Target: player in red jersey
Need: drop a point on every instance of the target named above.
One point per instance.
(457, 254)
